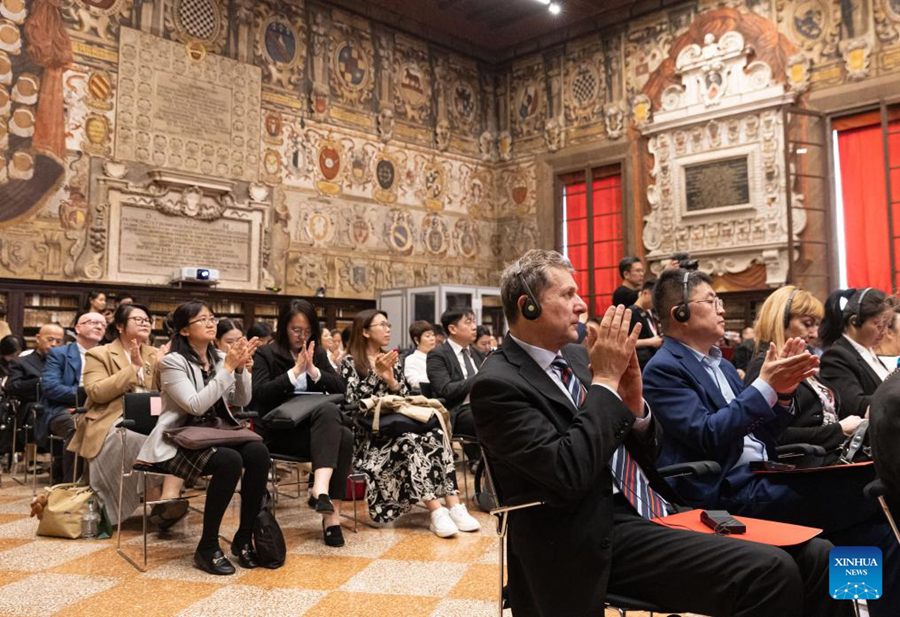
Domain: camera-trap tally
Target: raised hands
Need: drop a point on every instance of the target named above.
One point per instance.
(134, 354)
(613, 359)
(384, 364)
(304, 361)
(240, 354)
(784, 369)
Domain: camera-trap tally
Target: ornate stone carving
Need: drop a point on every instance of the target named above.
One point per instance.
(584, 92)
(442, 136)
(856, 58)
(614, 120)
(722, 120)
(813, 25)
(280, 44)
(384, 122)
(553, 134)
(797, 70)
(352, 65)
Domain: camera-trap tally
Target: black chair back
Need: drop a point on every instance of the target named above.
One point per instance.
(137, 412)
(426, 389)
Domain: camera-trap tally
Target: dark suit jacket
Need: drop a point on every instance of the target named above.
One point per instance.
(625, 296)
(640, 316)
(849, 376)
(272, 386)
(806, 427)
(541, 448)
(446, 375)
(25, 375)
(699, 425)
(884, 435)
(59, 386)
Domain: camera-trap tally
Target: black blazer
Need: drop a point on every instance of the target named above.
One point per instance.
(446, 376)
(271, 385)
(884, 434)
(806, 427)
(542, 448)
(25, 375)
(850, 376)
(639, 315)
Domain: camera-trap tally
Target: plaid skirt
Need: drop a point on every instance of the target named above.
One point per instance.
(187, 464)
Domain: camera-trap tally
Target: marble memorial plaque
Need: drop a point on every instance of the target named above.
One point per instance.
(155, 244)
(172, 112)
(717, 184)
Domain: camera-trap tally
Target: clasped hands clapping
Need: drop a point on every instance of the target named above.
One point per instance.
(240, 354)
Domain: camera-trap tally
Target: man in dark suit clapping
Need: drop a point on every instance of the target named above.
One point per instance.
(580, 438)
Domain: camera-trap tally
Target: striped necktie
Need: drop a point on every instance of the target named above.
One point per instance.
(628, 475)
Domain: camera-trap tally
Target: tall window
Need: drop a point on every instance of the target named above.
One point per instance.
(866, 149)
(592, 238)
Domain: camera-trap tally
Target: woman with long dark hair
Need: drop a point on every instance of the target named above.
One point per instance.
(197, 383)
(412, 467)
(293, 365)
(855, 321)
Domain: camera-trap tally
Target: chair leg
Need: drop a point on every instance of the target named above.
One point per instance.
(465, 469)
(890, 518)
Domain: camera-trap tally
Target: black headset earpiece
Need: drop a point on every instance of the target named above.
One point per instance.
(854, 305)
(682, 312)
(531, 309)
(787, 308)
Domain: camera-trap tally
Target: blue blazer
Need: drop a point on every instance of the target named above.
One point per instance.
(59, 386)
(698, 424)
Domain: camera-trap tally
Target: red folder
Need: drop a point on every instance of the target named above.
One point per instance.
(758, 530)
(815, 469)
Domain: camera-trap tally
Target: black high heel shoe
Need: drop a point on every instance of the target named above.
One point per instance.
(214, 563)
(333, 535)
(245, 554)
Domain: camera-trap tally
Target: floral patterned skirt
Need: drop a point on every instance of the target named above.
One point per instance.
(403, 471)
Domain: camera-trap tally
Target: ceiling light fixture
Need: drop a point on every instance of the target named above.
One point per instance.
(554, 8)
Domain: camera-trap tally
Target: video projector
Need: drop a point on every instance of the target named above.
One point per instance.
(192, 274)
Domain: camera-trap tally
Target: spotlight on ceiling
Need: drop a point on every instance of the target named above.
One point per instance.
(554, 8)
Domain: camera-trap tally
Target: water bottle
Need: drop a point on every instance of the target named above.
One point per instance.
(90, 521)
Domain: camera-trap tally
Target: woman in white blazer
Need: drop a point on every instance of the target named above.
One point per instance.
(197, 383)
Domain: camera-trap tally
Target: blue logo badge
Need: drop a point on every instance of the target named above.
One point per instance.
(855, 573)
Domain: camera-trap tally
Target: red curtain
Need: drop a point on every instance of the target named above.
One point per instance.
(865, 207)
(608, 244)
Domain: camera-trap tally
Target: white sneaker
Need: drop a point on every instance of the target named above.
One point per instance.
(442, 524)
(463, 520)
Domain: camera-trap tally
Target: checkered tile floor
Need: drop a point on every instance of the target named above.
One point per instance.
(400, 570)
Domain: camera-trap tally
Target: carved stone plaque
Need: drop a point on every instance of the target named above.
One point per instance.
(717, 184)
(153, 243)
(193, 116)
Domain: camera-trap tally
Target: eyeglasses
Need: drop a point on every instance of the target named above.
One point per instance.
(304, 332)
(206, 321)
(141, 321)
(384, 324)
(717, 302)
(92, 322)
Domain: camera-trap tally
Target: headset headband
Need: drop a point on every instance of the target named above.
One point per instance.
(787, 307)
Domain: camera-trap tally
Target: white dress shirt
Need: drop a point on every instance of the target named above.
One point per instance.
(414, 368)
(871, 359)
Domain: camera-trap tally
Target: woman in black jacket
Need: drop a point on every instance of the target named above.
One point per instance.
(855, 321)
(793, 312)
(289, 366)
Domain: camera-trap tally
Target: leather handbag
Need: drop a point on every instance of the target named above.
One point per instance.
(202, 436)
(297, 408)
(66, 505)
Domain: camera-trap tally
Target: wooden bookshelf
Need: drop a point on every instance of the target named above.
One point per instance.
(31, 304)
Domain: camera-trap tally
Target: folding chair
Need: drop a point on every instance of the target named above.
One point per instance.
(136, 417)
(461, 440)
(876, 489)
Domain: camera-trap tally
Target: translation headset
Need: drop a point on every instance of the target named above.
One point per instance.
(531, 309)
(787, 308)
(851, 311)
(682, 312)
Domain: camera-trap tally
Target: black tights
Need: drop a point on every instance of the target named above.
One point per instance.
(225, 467)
